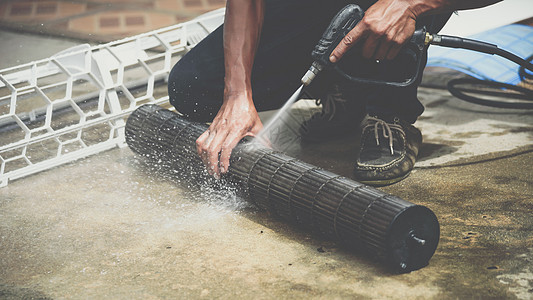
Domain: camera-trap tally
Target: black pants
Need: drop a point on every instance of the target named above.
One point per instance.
(290, 31)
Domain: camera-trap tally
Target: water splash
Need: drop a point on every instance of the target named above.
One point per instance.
(280, 129)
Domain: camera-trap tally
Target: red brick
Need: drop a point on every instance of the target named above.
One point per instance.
(192, 3)
(69, 9)
(3, 11)
(159, 21)
(134, 20)
(46, 8)
(169, 5)
(85, 24)
(21, 9)
(109, 22)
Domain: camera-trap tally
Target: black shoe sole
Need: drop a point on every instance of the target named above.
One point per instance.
(383, 182)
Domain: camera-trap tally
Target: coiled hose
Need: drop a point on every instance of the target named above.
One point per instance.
(521, 97)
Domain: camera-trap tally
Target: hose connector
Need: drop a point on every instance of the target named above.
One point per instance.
(428, 39)
(432, 39)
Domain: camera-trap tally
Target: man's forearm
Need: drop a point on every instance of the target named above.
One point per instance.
(242, 28)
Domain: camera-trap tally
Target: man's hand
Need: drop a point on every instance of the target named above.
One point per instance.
(236, 119)
(386, 26)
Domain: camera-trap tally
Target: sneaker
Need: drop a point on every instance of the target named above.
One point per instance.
(338, 117)
(388, 151)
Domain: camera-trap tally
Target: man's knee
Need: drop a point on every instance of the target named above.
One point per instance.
(189, 95)
(176, 88)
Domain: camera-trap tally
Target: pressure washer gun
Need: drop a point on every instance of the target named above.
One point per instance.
(348, 17)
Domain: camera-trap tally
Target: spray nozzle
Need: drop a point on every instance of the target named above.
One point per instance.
(311, 73)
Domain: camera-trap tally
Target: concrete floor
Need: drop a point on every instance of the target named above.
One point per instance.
(108, 227)
(20, 48)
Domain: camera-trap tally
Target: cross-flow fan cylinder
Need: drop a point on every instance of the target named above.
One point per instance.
(401, 234)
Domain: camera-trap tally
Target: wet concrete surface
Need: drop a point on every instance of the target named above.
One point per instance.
(103, 227)
(108, 226)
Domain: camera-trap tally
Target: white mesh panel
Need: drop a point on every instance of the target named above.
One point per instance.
(75, 103)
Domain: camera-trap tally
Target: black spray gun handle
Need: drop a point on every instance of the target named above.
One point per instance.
(343, 22)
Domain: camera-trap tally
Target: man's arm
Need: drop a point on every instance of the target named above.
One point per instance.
(237, 117)
(388, 24)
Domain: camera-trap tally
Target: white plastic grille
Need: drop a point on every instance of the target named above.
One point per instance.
(75, 103)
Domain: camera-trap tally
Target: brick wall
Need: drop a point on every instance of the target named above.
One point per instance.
(112, 18)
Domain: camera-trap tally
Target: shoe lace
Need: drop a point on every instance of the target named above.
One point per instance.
(386, 130)
(329, 107)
